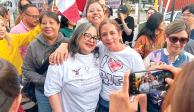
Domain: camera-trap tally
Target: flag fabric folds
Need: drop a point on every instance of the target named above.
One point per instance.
(81, 4)
(69, 9)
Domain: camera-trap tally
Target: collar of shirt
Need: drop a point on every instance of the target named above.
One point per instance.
(24, 26)
(167, 54)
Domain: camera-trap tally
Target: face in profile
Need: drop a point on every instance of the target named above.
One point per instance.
(87, 41)
(2, 29)
(110, 36)
(95, 13)
(49, 27)
(150, 12)
(176, 42)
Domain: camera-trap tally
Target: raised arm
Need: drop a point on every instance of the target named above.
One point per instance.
(25, 38)
(128, 27)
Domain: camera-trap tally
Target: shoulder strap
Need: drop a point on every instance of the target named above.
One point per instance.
(44, 67)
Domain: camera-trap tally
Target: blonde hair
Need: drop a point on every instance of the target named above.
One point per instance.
(7, 37)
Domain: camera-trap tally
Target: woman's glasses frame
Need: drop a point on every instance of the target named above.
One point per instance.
(88, 36)
(33, 16)
(175, 39)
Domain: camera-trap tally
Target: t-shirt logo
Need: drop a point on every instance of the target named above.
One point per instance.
(114, 65)
(76, 71)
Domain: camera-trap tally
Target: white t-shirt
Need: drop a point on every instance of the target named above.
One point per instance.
(77, 81)
(113, 65)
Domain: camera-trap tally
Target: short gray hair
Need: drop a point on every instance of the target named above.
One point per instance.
(82, 28)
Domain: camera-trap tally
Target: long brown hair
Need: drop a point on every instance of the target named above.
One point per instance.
(180, 96)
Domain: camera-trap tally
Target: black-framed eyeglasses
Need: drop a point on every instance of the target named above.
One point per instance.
(33, 16)
(88, 36)
(175, 39)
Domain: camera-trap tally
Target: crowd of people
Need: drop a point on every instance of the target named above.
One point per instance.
(85, 66)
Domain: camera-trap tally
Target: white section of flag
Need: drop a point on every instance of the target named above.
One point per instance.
(69, 9)
(64, 4)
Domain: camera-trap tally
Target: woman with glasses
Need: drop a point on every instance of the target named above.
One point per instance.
(74, 86)
(177, 35)
(115, 59)
(10, 88)
(21, 5)
(95, 15)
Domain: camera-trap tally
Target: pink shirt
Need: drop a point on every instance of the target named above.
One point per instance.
(20, 28)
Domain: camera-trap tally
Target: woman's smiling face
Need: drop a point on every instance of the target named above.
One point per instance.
(95, 13)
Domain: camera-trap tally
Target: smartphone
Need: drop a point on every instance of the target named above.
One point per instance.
(149, 81)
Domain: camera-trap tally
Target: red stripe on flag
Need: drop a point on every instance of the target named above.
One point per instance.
(72, 13)
(81, 4)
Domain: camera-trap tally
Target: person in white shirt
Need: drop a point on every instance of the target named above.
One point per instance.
(74, 85)
(115, 58)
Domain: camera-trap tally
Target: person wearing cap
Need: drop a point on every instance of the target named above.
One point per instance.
(126, 22)
(149, 12)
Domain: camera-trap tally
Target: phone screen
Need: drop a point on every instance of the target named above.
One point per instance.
(149, 81)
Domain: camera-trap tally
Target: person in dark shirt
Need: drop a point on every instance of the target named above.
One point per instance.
(126, 22)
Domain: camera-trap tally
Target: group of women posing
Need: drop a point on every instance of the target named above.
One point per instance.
(95, 64)
(93, 69)
(114, 58)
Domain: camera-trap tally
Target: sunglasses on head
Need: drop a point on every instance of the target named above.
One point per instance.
(175, 39)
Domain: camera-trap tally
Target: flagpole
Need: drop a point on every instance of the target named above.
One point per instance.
(36, 3)
(172, 10)
(44, 5)
(166, 9)
(156, 5)
(52, 8)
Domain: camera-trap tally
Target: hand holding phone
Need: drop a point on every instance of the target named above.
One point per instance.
(149, 81)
